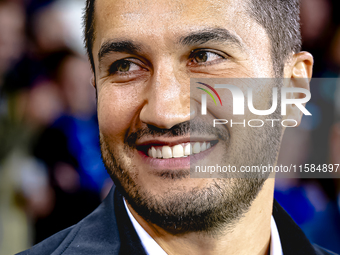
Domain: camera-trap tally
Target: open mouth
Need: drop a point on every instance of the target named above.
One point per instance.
(181, 150)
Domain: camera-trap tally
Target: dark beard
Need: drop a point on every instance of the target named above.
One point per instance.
(217, 206)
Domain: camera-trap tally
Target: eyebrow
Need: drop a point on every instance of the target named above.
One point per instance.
(210, 34)
(110, 46)
(221, 35)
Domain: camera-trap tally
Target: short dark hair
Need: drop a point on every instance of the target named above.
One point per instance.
(89, 36)
(280, 18)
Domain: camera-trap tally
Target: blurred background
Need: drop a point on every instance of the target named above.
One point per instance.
(51, 173)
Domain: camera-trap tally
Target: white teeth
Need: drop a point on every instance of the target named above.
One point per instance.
(177, 151)
(159, 153)
(166, 152)
(154, 152)
(196, 148)
(204, 146)
(188, 149)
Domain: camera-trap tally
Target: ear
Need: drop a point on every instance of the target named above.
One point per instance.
(299, 71)
(93, 81)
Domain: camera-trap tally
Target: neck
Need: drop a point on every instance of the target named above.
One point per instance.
(251, 235)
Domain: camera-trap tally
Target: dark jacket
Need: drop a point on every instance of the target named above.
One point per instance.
(108, 230)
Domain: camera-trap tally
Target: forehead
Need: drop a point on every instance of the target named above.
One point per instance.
(167, 11)
(164, 21)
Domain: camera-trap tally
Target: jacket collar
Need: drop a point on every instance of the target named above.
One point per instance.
(108, 230)
(293, 240)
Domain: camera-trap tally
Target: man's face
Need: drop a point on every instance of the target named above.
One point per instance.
(145, 53)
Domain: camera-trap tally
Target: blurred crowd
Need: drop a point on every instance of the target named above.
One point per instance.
(314, 203)
(51, 173)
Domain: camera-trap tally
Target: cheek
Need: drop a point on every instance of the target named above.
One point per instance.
(118, 107)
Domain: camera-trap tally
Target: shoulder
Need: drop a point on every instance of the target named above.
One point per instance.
(321, 251)
(293, 240)
(51, 244)
(90, 236)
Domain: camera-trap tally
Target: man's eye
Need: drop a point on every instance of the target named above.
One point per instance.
(205, 56)
(123, 66)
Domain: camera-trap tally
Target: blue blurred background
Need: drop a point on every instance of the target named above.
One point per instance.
(51, 173)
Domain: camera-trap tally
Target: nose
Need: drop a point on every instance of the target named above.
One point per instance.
(168, 99)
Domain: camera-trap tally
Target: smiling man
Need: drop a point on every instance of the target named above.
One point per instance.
(143, 54)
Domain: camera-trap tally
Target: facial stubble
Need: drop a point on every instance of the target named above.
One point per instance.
(217, 206)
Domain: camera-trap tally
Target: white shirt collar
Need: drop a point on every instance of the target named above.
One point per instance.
(149, 244)
(152, 248)
(275, 243)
